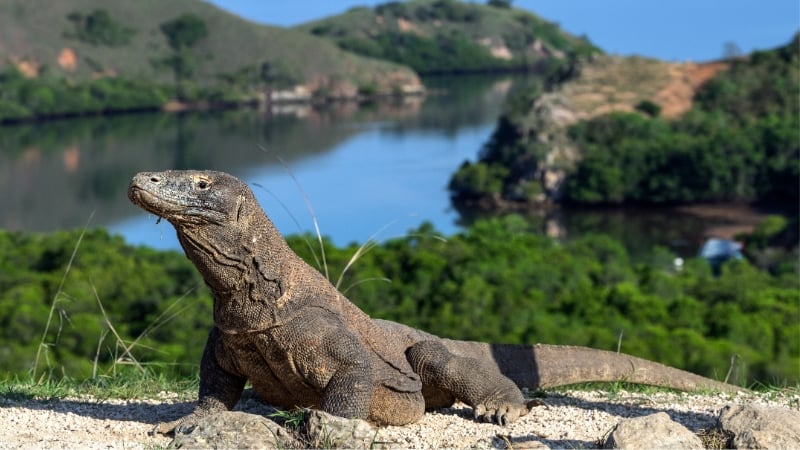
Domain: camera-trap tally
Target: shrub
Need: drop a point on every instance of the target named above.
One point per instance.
(98, 28)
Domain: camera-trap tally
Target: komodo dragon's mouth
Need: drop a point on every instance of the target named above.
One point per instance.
(145, 200)
(140, 197)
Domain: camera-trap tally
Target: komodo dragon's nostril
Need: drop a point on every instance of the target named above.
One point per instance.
(155, 179)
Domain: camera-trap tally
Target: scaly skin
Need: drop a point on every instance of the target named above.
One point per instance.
(281, 325)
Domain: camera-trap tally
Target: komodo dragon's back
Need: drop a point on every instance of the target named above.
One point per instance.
(281, 325)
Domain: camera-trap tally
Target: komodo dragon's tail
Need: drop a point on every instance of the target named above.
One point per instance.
(544, 366)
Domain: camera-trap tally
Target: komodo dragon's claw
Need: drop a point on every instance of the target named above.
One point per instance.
(180, 426)
(502, 414)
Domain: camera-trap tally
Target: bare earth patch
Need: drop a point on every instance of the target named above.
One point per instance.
(573, 419)
(613, 83)
(685, 79)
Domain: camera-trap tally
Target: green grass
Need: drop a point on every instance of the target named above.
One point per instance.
(126, 384)
(133, 384)
(291, 419)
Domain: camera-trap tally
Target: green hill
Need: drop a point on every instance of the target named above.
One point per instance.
(635, 131)
(449, 36)
(84, 40)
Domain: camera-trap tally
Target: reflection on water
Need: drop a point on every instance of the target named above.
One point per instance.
(374, 182)
(369, 172)
(360, 168)
(683, 230)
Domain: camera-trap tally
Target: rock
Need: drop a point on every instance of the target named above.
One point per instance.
(751, 426)
(509, 442)
(653, 431)
(323, 430)
(234, 429)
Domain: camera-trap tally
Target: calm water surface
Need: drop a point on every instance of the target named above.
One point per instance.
(364, 173)
(374, 184)
(374, 171)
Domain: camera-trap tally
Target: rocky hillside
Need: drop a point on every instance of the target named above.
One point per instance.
(635, 130)
(90, 39)
(608, 84)
(614, 83)
(450, 36)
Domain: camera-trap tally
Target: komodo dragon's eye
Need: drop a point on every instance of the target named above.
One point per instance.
(202, 184)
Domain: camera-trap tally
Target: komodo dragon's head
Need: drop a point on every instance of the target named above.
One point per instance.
(192, 197)
(216, 217)
(227, 236)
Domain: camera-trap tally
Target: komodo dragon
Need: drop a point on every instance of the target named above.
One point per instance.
(280, 324)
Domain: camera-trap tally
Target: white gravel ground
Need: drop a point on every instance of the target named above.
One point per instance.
(573, 419)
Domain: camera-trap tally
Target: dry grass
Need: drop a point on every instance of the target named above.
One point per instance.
(612, 83)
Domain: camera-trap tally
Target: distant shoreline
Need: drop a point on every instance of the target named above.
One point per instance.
(179, 107)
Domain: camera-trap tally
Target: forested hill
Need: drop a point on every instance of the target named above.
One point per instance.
(157, 42)
(451, 36)
(638, 131)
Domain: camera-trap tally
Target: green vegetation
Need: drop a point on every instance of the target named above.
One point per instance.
(648, 107)
(24, 98)
(182, 34)
(146, 45)
(739, 142)
(450, 36)
(99, 28)
(703, 157)
(52, 314)
(125, 383)
(453, 53)
(114, 307)
(499, 3)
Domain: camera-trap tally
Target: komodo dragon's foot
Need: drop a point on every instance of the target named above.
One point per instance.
(494, 397)
(501, 408)
(180, 426)
(166, 428)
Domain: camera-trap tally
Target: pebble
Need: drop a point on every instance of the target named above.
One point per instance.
(568, 419)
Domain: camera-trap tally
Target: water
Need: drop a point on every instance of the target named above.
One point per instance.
(375, 184)
(374, 171)
(363, 173)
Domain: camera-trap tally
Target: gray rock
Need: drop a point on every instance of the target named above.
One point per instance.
(234, 429)
(653, 431)
(323, 430)
(752, 426)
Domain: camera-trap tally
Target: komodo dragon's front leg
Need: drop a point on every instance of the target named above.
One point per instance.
(329, 358)
(447, 377)
(219, 390)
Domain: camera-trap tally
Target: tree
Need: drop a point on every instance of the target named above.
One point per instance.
(649, 107)
(276, 75)
(731, 51)
(182, 35)
(499, 3)
(184, 32)
(99, 28)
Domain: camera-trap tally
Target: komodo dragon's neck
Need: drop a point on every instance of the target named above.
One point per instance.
(247, 267)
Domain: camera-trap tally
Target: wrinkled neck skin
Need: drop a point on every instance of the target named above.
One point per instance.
(244, 264)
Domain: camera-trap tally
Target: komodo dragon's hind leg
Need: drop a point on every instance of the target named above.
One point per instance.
(446, 376)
